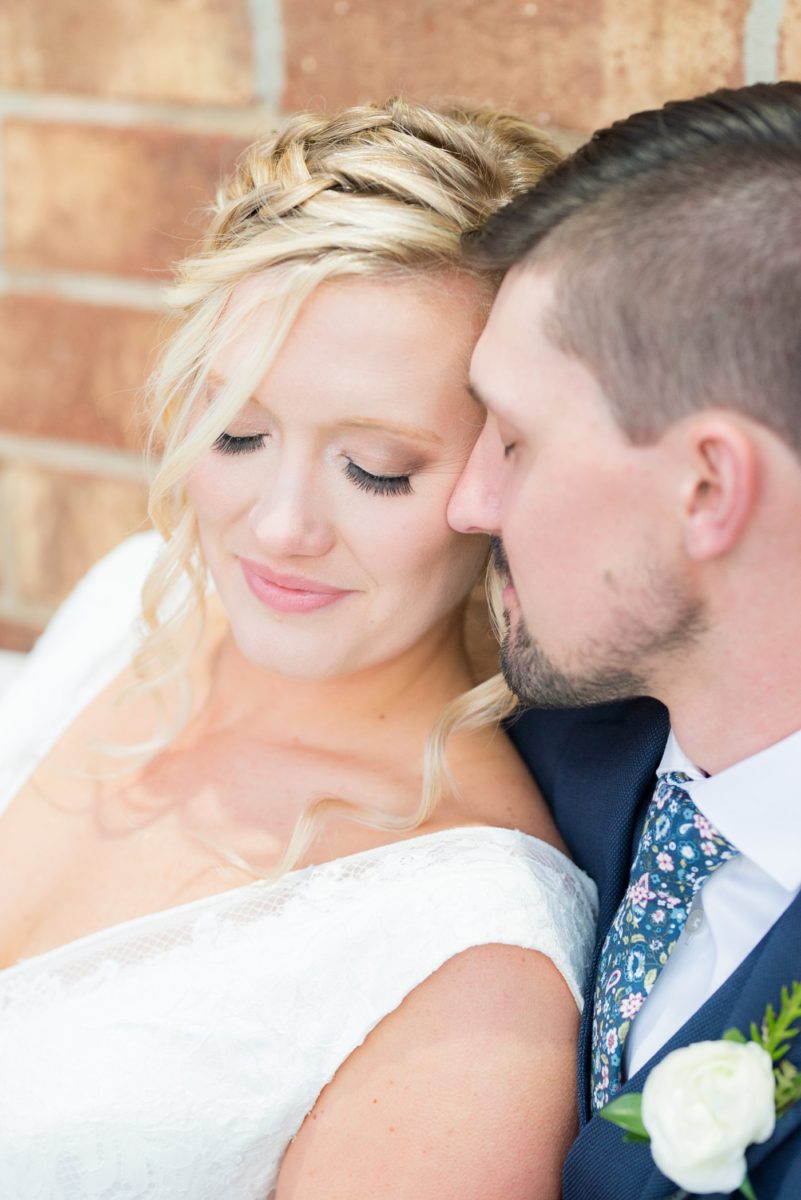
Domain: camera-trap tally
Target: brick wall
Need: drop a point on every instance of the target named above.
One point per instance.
(118, 118)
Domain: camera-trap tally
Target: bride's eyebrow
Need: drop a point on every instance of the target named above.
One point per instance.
(407, 431)
(219, 381)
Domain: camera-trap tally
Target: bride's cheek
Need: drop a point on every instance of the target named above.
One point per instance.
(200, 486)
(429, 552)
(215, 491)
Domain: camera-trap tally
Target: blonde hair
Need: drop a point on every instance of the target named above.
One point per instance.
(373, 190)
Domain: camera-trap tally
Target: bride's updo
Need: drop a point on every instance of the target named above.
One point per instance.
(381, 190)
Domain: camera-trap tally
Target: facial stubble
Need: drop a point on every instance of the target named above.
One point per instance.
(661, 622)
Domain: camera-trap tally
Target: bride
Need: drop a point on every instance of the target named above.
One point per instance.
(281, 913)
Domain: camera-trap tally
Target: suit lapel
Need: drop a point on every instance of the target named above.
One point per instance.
(758, 981)
(596, 767)
(620, 792)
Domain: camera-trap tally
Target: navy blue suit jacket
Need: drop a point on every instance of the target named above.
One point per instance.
(596, 767)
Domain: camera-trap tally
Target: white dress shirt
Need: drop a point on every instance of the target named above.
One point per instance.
(756, 804)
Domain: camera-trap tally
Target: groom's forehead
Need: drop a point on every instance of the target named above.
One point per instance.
(527, 290)
(515, 337)
(519, 317)
(521, 371)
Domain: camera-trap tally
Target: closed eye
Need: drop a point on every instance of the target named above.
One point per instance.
(379, 485)
(226, 444)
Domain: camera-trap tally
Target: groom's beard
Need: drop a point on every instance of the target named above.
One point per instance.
(674, 622)
(539, 683)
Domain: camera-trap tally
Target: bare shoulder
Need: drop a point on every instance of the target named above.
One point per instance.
(496, 788)
(467, 1089)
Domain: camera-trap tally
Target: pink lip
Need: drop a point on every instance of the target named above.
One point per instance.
(288, 593)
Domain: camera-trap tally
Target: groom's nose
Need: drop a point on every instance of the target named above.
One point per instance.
(474, 506)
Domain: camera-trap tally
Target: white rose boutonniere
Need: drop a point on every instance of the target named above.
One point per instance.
(704, 1104)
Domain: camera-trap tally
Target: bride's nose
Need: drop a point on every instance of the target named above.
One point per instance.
(291, 517)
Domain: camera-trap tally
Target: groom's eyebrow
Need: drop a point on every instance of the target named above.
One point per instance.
(476, 394)
(498, 409)
(490, 406)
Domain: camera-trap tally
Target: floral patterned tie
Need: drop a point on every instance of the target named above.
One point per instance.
(678, 851)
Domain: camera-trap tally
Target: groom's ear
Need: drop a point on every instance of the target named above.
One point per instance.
(720, 486)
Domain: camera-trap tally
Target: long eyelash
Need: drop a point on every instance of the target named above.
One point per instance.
(226, 444)
(379, 485)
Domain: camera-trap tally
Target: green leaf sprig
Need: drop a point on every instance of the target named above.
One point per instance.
(774, 1036)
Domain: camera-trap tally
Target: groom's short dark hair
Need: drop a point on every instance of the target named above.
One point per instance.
(675, 237)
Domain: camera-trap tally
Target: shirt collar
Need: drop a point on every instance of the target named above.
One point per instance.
(674, 759)
(755, 804)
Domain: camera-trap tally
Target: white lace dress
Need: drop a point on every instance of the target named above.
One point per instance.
(174, 1056)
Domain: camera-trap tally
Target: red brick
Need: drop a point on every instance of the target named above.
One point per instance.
(579, 64)
(17, 637)
(61, 523)
(74, 371)
(192, 51)
(122, 201)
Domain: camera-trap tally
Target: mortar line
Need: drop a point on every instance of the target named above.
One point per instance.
(761, 41)
(268, 50)
(80, 458)
(102, 290)
(30, 614)
(237, 120)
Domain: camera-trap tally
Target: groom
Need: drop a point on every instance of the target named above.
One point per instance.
(641, 463)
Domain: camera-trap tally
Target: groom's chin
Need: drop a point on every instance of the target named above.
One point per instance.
(538, 683)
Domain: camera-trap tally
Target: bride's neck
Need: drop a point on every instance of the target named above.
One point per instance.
(412, 687)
